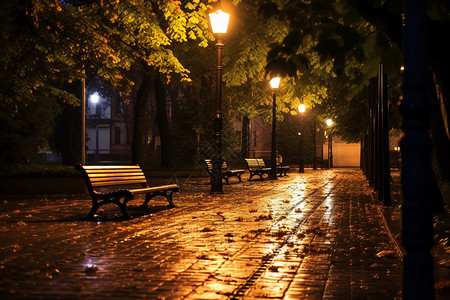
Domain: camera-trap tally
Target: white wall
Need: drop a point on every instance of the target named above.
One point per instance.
(344, 155)
(103, 139)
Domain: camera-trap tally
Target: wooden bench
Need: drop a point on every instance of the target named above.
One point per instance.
(256, 167)
(282, 170)
(226, 173)
(118, 185)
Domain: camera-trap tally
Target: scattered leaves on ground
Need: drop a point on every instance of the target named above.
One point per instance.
(264, 217)
(386, 253)
(442, 284)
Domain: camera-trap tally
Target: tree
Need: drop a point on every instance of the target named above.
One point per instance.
(245, 70)
(50, 42)
(341, 40)
(368, 33)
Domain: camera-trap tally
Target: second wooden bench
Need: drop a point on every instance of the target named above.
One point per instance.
(226, 173)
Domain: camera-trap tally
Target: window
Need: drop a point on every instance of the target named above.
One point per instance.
(254, 138)
(117, 135)
(238, 138)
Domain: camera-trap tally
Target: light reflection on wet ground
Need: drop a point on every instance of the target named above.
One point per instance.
(309, 235)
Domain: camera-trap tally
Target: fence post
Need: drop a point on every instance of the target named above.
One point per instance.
(417, 172)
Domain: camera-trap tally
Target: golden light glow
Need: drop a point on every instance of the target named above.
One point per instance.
(329, 122)
(275, 82)
(219, 21)
(302, 108)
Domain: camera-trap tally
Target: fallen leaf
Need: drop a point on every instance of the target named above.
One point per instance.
(206, 229)
(442, 284)
(386, 253)
(273, 268)
(92, 270)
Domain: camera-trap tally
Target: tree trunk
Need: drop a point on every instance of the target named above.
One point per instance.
(67, 135)
(163, 122)
(440, 139)
(245, 150)
(144, 90)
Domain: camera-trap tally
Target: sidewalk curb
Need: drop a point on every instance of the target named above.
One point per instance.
(398, 250)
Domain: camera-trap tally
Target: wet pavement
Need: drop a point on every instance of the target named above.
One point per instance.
(318, 235)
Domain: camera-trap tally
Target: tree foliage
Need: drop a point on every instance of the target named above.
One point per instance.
(341, 39)
(46, 43)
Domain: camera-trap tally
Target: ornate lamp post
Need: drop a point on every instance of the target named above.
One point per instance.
(274, 84)
(95, 98)
(314, 145)
(330, 144)
(219, 24)
(416, 149)
(301, 165)
(83, 121)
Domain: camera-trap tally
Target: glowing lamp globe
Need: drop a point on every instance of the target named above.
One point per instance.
(219, 21)
(95, 98)
(302, 108)
(275, 82)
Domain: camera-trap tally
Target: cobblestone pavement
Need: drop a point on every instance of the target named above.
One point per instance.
(317, 235)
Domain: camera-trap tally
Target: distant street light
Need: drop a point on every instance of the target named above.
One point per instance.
(329, 122)
(219, 23)
(274, 84)
(95, 98)
(301, 165)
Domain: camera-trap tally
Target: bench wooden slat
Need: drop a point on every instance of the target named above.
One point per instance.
(116, 175)
(155, 189)
(98, 167)
(118, 178)
(112, 172)
(115, 182)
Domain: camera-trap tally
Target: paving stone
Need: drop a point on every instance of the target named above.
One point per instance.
(315, 235)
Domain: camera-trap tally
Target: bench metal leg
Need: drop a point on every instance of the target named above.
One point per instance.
(123, 208)
(114, 199)
(93, 210)
(168, 194)
(239, 177)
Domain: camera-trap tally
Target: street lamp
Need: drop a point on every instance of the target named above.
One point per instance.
(329, 122)
(219, 23)
(274, 84)
(301, 165)
(95, 98)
